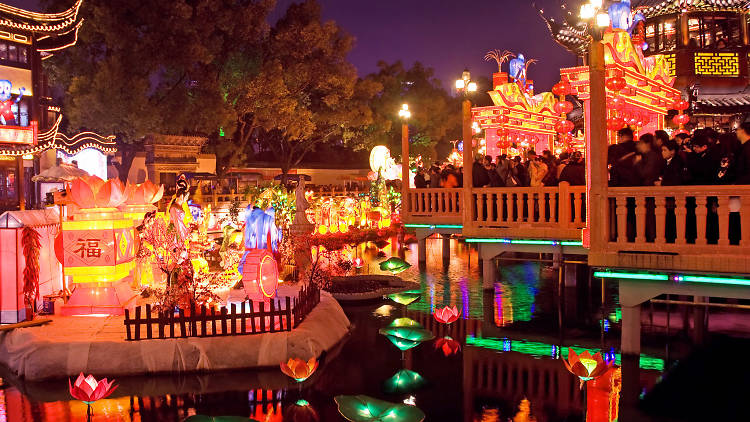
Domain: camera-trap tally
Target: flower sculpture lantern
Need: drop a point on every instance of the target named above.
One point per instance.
(299, 369)
(585, 366)
(448, 346)
(447, 314)
(88, 390)
(363, 408)
(406, 337)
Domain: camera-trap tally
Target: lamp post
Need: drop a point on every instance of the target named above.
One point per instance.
(466, 87)
(404, 114)
(597, 19)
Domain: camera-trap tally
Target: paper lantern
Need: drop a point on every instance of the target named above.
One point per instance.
(504, 119)
(616, 84)
(615, 123)
(681, 105)
(260, 275)
(616, 103)
(563, 107)
(564, 126)
(561, 88)
(681, 119)
(585, 366)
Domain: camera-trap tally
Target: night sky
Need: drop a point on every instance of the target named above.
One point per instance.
(447, 35)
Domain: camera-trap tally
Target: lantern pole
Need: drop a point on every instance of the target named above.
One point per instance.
(466, 87)
(404, 114)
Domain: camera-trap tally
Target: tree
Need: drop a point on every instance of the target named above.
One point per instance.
(436, 115)
(306, 93)
(169, 66)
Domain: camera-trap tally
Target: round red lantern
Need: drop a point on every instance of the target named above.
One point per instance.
(561, 88)
(615, 123)
(564, 126)
(260, 275)
(563, 107)
(616, 84)
(616, 103)
(681, 105)
(681, 119)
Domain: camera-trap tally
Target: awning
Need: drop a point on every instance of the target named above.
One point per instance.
(29, 218)
(61, 173)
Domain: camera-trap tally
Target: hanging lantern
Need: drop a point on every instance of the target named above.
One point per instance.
(566, 138)
(564, 126)
(502, 132)
(562, 88)
(615, 123)
(616, 83)
(681, 119)
(563, 107)
(504, 119)
(681, 105)
(616, 103)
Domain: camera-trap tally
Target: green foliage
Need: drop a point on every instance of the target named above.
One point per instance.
(276, 196)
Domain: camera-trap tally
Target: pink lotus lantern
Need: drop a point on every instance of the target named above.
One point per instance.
(140, 199)
(96, 247)
(447, 314)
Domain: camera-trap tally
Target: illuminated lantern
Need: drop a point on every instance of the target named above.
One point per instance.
(379, 157)
(140, 199)
(447, 314)
(681, 105)
(564, 126)
(260, 275)
(96, 247)
(358, 262)
(504, 119)
(323, 229)
(405, 338)
(566, 138)
(404, 381)
(561, 88)
(563, 107)
(406, 297)
(394, 265)
(299, 369)
(448, 346)
(616, 103)
(681, 119)
(615, 123)
(616, 84)
(301, 411)
(364, 409)
(585, 366)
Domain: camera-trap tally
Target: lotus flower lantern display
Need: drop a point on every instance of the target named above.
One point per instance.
(140, 199)
(96, 247)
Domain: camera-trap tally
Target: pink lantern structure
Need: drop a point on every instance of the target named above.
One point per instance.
(96, 247)
(141, 199)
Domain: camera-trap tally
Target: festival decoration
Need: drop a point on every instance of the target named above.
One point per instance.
(406, 338)
(404, 381)
(405, 297)
(383, 165)
(260, 275)
(564, 126)
(394, 265)
(363, 408)
(301, 411)
(447, 314)
(405, 322)
(563, 107)
(358, 262)
(585, 366)
(562, 88)
(204, 418)
(88, 390)
(299, 369)
(7, 117)
(448, 346)
(31, 247)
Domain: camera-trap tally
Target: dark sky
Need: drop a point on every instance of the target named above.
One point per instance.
(447, 35)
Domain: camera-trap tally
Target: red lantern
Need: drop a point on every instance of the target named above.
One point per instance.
(616, 103)
(616, 84)
(562, 88)
(563, 107)
(615, 123)
(681, 105)
(504, 119)
(566, 138)
(681, 119)
(564, 126)
(502, 132)
(260, 275)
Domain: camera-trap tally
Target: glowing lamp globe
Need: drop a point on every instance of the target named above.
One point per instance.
(681, 119)
(379, 157)
(260, 275)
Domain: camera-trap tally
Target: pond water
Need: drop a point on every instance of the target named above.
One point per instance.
(511, 338)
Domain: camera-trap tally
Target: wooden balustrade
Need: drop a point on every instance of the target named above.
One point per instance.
(678, 227)
(433, 206)
(557, 212)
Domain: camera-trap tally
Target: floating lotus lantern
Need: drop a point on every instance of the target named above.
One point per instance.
(405, 322)
(367, 409)
(96, 247)
(447, 314)
(448, 346)
(406, 337)
(358, 262)
(301, 411)
(204, 418)
(405, 297)
(299, 369)
(404, 381)
(394, 265)
(88, 390)
(585, 366)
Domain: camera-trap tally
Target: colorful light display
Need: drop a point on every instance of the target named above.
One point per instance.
(260, 275)
(299, 369)
(394, 265)
(406, 338)
(363, 408)
(404, 381)
(448, 346)
(585, 366)
(405, 297)
(447, 314)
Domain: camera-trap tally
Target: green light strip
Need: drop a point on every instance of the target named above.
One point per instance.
(716, 280)
(434, 226)
(631, 276)
(524, 241)
(538, 349)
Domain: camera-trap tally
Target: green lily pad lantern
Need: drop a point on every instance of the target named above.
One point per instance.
(405, 297)
(406, 338)
(368, 409)
(394, 265)
(405, 322)
(404, 381)
(203, 418)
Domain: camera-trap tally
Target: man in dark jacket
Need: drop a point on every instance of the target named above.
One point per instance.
(742, 172)
(574, 172)
(647, 162)
(620, 158)
(419, 180)
(674, 172)
(701, 166)
(479, 173)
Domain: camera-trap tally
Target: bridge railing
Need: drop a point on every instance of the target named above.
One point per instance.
(433, 206)
(687, 227)
(557, 212)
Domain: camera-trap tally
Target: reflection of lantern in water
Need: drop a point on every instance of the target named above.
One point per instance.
(96, 248)
(585, 366)
(403, 381)
(260, 275)
(365, 408)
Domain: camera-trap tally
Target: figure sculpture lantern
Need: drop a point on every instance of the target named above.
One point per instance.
(96, 247)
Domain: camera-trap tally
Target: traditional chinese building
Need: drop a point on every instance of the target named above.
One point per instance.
(167, 156)
(707, 44)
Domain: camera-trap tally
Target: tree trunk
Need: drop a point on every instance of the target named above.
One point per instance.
(127, 154)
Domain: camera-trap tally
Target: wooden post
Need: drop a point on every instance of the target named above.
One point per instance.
(405, 167)
(468, 162)
(596, 152)
(20, 183)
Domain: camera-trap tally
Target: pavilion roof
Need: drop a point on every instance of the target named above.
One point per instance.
(42, 23)
(651, 8)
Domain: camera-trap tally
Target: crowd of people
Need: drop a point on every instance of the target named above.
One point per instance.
(704, 158)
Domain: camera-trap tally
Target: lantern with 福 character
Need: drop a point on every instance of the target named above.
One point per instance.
(96, 247)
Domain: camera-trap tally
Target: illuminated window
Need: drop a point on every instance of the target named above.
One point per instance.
(716, 31)
(650, 37)
(717, 64)
(7, 185)
(667, 34)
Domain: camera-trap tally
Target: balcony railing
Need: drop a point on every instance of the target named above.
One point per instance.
(433, 206)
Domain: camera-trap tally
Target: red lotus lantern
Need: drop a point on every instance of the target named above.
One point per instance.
(681, 105)
(561, 88)
(447, 314)
(140, 199)
(564, 126)
(616, 103)
(563, 107)
(681, 119)
(448, 346)
(585, 366)
(616, 83)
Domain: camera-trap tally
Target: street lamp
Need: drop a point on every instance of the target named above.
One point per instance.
(405, 114)
(466, 86)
